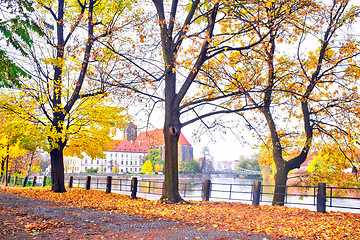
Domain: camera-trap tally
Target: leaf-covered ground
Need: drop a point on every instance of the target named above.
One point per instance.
(273, 221)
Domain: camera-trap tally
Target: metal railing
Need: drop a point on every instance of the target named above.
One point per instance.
(334, 197)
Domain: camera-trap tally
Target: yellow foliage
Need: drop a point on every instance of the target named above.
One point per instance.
(147, 167)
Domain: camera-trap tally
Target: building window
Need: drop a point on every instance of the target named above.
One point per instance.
(121, 170)
(104, 169)
(116, 155)
(97, 161)
(130, 169)
(135, 169)
(105, 162)
(130, 162)
(126, 163)
(85, 168)
(135, 162)
(111, 155)
(126, 169)
(122, 162)
(85, 161)
(91, 161)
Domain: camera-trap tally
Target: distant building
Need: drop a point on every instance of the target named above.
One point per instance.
(126, 155)
(130, 132)
(225, 166)
(122, 156)
(155, 139)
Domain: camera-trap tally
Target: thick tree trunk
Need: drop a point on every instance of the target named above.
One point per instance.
(280, 186)
(171, 182)
(57, 170)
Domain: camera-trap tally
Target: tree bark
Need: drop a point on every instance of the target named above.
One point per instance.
(7, 164)
(171, 182)
(2, 167)
(30, 163)
(172, 128)
(280, 185)
(57, 169)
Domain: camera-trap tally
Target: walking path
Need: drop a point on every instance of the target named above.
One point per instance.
(25, 218)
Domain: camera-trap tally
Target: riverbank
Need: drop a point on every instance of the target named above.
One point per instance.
(235, 218)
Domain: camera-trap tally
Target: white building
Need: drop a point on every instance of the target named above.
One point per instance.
(122, 157)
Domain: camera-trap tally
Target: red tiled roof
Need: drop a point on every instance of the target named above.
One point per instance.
(129, 146)
(156, 138)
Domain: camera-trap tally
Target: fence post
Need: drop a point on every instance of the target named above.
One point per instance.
(88, 182)
(25, 181)
(134, 183)
(108, 184)
(206, 190)
(34, 181)
(256, 193)
(15, 180)
(321, 198)
(44, 181)
(70, 183)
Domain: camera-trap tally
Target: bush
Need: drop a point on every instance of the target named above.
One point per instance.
(91, 170)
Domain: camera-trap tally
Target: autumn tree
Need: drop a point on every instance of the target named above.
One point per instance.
(333, 167)
(303, 95)
(155, 158)
(187, 34)
(190, 166)
(18, 134)
(68, 67)
(147, 167)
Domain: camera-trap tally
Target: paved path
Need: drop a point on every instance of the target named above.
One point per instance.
(24, 218)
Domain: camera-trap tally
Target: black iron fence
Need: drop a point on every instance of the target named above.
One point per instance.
(321, 196)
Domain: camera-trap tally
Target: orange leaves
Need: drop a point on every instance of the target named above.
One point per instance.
(44, 225)
(276, 222)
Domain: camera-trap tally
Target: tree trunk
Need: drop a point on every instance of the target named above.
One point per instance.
(171, 182)
(30, 163)
(57, 169)
(2, 167)
(7, 164)
(280, 186)
(6, 170)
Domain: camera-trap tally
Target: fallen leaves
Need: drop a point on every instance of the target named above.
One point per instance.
(273, 221)
(43, 225)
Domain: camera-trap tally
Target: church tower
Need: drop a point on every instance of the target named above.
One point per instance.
(130, 132)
